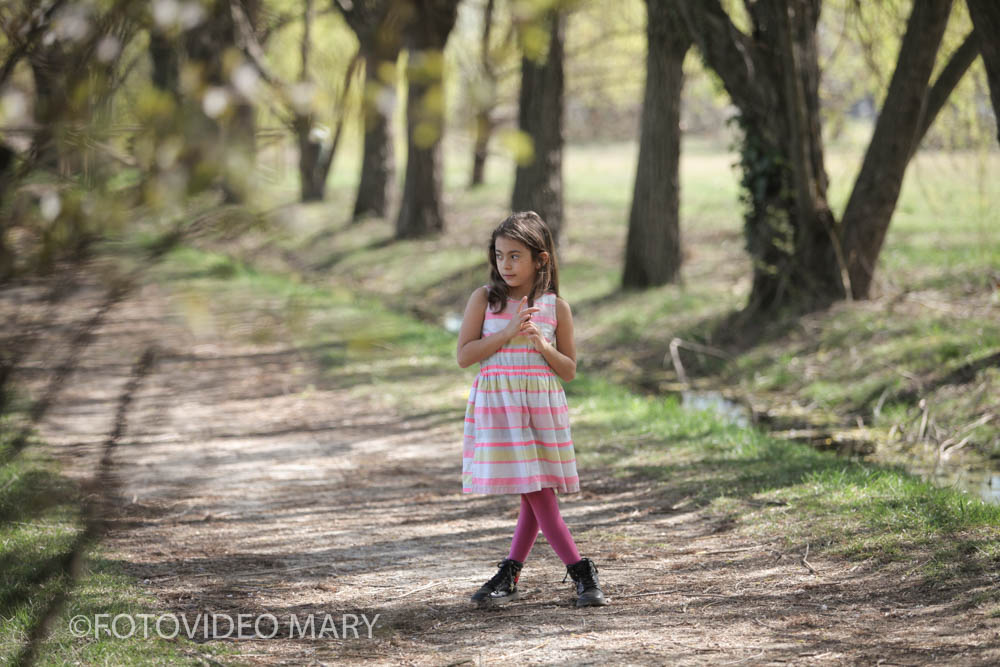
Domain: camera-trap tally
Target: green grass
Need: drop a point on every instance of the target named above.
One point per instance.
(39, 520)
(781, 490)
(935, 304)
(773, 489)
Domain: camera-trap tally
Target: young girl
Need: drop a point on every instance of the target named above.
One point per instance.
(517, 437)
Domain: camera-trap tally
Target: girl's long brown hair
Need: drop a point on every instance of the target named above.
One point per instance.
(528, 228)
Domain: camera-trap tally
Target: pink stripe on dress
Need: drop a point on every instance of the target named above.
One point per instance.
(515, 480)
(524, 443)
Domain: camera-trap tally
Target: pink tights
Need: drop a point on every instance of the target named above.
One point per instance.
(540, 508)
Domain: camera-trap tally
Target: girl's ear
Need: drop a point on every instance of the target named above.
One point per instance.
(543, 258)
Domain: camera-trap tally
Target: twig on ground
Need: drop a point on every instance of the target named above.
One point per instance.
(10, 481)
(205, 659)
(985, 419)
(926, 407)
(946, 448)
(877, 410)
(502, 657)
(729, 551)
(806, 563)
(911, 570)
(417, 590)
(696, 347)
(742, 660)
(679, 592)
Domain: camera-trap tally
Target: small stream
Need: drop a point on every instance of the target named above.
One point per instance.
(984, 484)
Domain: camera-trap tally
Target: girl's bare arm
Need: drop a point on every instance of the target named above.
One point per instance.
(472, 348)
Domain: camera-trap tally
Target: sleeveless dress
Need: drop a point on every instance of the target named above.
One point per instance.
(517, 436)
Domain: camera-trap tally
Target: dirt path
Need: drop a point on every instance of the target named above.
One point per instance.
(249, 487)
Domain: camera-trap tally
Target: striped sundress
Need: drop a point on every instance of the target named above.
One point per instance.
(517, 435)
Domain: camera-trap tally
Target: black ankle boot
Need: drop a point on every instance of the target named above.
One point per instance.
(502, 587)
(588, 591)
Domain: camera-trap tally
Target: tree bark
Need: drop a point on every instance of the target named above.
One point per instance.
(430, 23)
(653, 246)
(378, 156)
(311, 181)
(240, 134)
(164, 58)
(379, 26)
(949, 77)
(50, 97)
(314, 152)
(986, 22)
(873, 198)
(772, 77)
(420, 210)
(7, 164)
(538, 185)
(484, 119)
(480, 149)
(205, 45)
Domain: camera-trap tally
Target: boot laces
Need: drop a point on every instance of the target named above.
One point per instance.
(506, 576)
(582, 573)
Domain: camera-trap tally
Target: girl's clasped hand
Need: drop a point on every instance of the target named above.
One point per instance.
(521, 325)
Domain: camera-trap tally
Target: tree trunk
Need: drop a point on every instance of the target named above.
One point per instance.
(379, 26)
(427, 34)
(653, 247)
(873, 199)
(164, 58)
(8, 161)
(538, 185)
(950, 75)
(312, 177)
(484, 130)
(986, 21)
(772, 77)
(484, 120)
(793, 229)
(240, 135)
(50, 98)
(420, 209)
(378, 160)
(205, 45)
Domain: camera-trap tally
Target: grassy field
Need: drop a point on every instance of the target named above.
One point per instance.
(866, 364)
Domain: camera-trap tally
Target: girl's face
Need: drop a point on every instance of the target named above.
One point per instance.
(514, 262)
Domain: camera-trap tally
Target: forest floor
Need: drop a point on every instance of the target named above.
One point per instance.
(254, 481)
